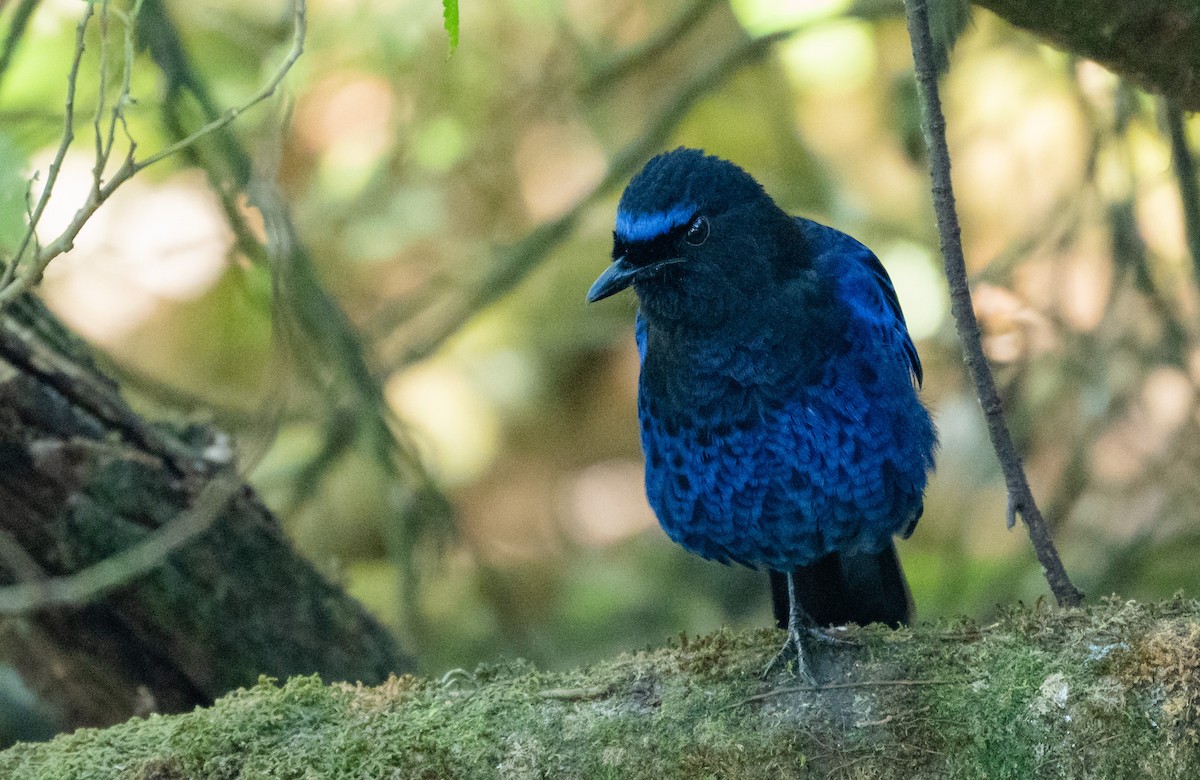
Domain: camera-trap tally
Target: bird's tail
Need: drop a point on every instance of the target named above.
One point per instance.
(844, 588)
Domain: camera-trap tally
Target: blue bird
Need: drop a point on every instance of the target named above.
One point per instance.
(778, 394)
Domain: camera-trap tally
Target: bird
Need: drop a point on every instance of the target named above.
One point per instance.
(778, 394)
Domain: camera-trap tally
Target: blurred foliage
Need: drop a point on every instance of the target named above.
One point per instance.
(392, 262)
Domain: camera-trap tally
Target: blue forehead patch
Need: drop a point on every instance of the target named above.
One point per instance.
(643, 227)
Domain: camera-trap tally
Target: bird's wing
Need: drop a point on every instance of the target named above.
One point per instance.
(880, 274)
(849, 255)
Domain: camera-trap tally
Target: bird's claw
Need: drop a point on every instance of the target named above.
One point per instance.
(792, 658)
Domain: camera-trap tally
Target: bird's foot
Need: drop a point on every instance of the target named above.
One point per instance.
(792, 658)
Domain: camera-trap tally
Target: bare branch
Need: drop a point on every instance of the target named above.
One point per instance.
(101, 100)
(1020, 497)
(39, 208)
(19, 277)
(300, 21)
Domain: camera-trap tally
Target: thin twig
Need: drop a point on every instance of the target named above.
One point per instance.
(6, 279)
(1020, 497)
(650, 51)
(14, 284)
(1129, 246)
(300, 22)
(101, 100)
(106, 140)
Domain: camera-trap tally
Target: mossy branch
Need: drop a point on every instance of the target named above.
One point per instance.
(142, 562)
(1110, 692)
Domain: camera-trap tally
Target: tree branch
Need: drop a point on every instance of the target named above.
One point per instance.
(10, 270)
(142, 561)
(1020, 497)
(1108, 692)
(21, 275)
(232, 113)
(617, 66)
(1153, 43)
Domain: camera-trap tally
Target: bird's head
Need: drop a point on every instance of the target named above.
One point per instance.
(697, 238)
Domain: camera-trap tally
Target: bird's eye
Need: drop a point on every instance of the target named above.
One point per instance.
(697, 232)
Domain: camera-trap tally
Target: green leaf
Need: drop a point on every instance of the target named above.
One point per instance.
(450, 17)
(13, 186)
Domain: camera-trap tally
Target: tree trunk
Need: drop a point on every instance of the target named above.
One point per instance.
(83, 478)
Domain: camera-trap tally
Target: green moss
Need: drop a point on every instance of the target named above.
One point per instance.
(1040, 701)
(1106, 692)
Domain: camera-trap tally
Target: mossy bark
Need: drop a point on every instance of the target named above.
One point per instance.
(1153, 43)
(1107, 692)
(83, 477)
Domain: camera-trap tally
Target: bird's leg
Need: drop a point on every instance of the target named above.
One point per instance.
(793, 647)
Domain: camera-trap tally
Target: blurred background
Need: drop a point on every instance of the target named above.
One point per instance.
(375, 282)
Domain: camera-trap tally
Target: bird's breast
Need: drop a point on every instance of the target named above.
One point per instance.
(724, 376)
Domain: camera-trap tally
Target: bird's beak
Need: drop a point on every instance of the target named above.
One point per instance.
(615, 278)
